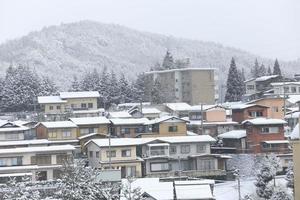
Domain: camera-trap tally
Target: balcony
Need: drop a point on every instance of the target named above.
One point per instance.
(188, 173)
(157, 150)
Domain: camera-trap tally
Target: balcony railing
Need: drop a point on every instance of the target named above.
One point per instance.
(158, 153)
(189, 173)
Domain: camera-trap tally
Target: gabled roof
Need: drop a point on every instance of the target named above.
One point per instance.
(265, 78)
(178, 106)
(84, 94)
(244, 106)
(166, 118)
(145, 110)
(264, 121)
(235, 134)
(11, 127)
(54, 148)
(295, 133)
(58, 124)
(90, 120)
(285, 83)
(50, 99)
(205, 107)
(119, 114)
(140, 141)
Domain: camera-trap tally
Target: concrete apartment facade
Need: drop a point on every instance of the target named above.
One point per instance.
(190, 85)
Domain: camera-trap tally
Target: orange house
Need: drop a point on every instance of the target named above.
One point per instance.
(275, 105)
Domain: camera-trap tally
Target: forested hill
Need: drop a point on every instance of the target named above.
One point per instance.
(69, 49)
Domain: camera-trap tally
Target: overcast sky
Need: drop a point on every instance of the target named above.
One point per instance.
(270, 28)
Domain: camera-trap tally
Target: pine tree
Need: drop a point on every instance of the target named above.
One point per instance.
(234, 84)
(104, 88)
(262, 70)
(280, 194)
(269, 72)
(157, 96)
(243, 78)
(168, 62)
(140, 88)
(124, 89)
(47, 87)
(113, 89)
(289, 177)
(75, 85)
(276, 69)
(255, 70)
(263, 178)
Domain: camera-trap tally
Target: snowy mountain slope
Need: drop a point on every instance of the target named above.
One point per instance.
(70, 49)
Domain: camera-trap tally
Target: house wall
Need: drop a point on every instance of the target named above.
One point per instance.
(100, 128)
(4, 136)
(275, 107)
(296, 161)
(255, 136)
(215, 115)
(241, 115)
(43, 133)
(132, 132)
(78, 101)
(57, 108)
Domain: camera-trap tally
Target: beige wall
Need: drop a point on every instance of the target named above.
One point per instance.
(57, 108)
(59, 133)
(296, 159)
(164, 130)
(102, 128)
(215, 115)
(118, 150)
(275, 107)
(77, 102)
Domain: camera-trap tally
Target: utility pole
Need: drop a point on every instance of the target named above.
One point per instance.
(109, 143)
(284, 103)
(237, 175)
(201, 118)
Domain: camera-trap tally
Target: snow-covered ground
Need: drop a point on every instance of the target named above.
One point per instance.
(229, 189)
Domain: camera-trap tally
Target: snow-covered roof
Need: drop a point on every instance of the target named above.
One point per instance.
(163, 190)
(120, 114)
(205, 107)
(292, 115)
(264, 78)
(133, 104)
(34, 142)
(53, 148)
(99, 110)
(89, 135)
(50, 99)
(166, 118)
(181, 69)
(129, 121)
(90, 120)
(178, 106)
(244, 106)
(190, 133)
(295, 133)
(150, 111)
(264, 121)
(12, 127)
(84, 94)
(285, 83)
(198, 122)
(235, 134)
(276, 141)
(59, 124)
(293, 98)
(139, 141)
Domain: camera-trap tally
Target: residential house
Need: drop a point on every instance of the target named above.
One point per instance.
(275, 106)
(68, 102)
(295, 136)
(132, 127)
(178, 109)
(166, 126)
(150, 113)
(234, 141)
(88, 125)
(38, 162)
(211, 113)
(287, 88)
(292, 118)
(266, 135)
(120, 151)
(14, 131)
(190, 85)
(242, 112)
(58, 130)
(119, 114)
(255, 88)
(128, 106)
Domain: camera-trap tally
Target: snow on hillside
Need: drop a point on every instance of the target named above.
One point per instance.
(70, 49)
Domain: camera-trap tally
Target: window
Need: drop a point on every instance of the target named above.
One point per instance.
(2, 162)
(52, 135)
(206, 164)
(12, 136)
(275, 109)
(92, 130)
(293, 89)
(91, 154)
(66, 133)
(43, 159)
(61, 158)
(250, 87)
(131, 171)
(286, 89)
(58, 107)
(125, 130)
(97, 154)
(90, 105)
(201, 148)
(255, 113)
(185, 148)
(111, 154)
(83, 105)
(172, 128)
(155, 167)
(50, 107)
(126, 153)
(270, 130)
(173, 149)
(265, 130)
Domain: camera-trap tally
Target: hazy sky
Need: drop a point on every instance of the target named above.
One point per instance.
(270, 28)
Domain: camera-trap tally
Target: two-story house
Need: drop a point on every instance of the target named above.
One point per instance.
(67, 102)
(287, 88)
(148, 112)
(242, 112)
(178, 109)
(38, 162)
(266, 135)
(131, 127)
(58, 130)
(181, 156)
(275, 106)
(87, 125)
(166, 126)
(116, 153)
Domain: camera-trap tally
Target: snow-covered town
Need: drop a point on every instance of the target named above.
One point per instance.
(99, 111)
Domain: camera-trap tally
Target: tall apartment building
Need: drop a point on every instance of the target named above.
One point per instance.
(190, 85)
